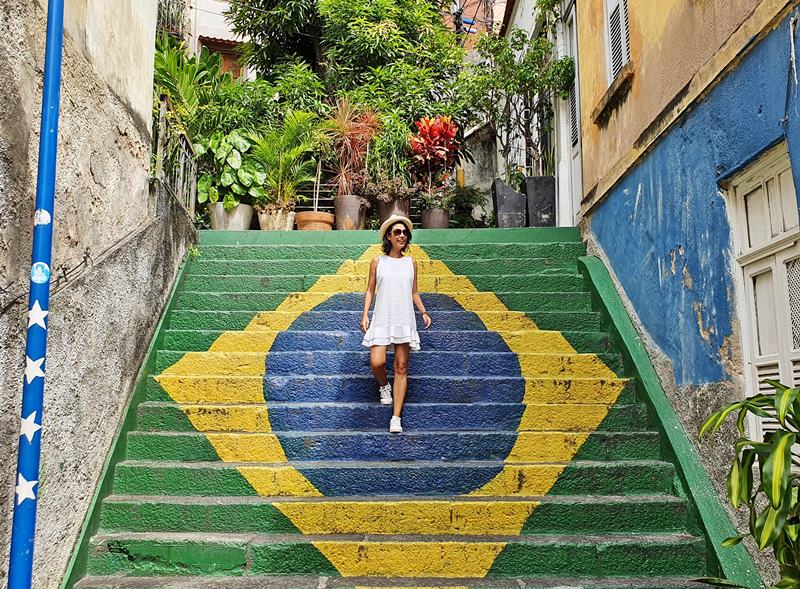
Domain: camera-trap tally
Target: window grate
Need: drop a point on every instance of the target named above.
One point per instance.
(573, 115)
(617, 50)
(793, 287)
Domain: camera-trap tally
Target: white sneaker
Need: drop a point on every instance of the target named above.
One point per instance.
(386, 394)
(395, 426)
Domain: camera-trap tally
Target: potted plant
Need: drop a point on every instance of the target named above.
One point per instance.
(349, 131)
(512, 88)
(435, 151)
(391, 195)
(226, 183)
(285, 156)
(315, 220)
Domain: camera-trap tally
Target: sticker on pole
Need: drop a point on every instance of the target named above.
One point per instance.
(41, 217)
(40, 273)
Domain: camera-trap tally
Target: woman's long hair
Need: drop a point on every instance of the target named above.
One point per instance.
(387, 245)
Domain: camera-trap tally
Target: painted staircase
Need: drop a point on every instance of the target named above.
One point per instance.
(256, 454)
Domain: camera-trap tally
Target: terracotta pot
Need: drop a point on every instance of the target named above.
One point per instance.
(314, 221)
(238, 219)
(435, 219)
(271, 219)
(349, 212)
(396, 207)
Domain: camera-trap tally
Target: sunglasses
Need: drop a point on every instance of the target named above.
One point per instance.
(398, 232)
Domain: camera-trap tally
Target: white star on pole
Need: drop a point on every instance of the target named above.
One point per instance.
(33, 369)
(29, 427)
(36, 316)
(24, 489)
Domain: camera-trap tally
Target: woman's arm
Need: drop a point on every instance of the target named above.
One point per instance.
(373, 272)
(418, 300)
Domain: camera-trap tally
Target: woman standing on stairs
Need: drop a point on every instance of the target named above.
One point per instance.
(394, 276)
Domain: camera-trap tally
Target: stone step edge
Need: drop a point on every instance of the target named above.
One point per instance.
(326, 582)
(341, 433)
(219, 465)
(398, 499)
(267, 539)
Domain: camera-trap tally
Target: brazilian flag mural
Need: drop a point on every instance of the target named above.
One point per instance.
(278, 422)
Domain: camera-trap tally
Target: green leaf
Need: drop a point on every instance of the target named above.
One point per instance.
(775, 384)
(769, 525)
(735, 482)
(746, 484)
(234, 159)
(260, 176)
(226, 178)
(776, 469)
(783, 402)
(213, 194)
(229, 202)
(257, 192)
(199, 149)
(245, 177)
(238, 188)
(239, 142)
(733, 540)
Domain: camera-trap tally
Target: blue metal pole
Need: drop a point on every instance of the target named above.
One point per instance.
(22, 532)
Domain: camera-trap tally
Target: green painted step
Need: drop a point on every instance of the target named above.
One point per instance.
(250, 555)
(193, 340)
(188, 446)
(238, 320)
(300, 283)
(469, 267)
(268, 301)
(315, 582)
(572, 514)
(218, 479)
(423, 236)
(455, 251)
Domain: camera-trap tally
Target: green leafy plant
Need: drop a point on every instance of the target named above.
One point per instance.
(284, 158)
(771, 497)
(513, 85)
(227, 172)
(349, 131)
(435, 149)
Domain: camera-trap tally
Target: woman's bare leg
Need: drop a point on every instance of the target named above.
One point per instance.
(400, 376)
(377, 362)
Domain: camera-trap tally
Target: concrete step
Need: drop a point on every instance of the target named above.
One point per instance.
(326, 582)
(425, 282)
(459, 251)
(369, 417)
(426, 389)
(268, 301)
(423, 363)
(435, 338)
(359, 515)
(340, 478)
(183, 554)
(469, 267)
(238, 320)
(382, 446)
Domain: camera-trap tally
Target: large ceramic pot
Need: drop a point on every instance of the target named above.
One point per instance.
(509, 205)
(400, 206)
(274, 219)
(435, 219)
(541, 194)
(238, 219)
(314, 221)
(349, 212)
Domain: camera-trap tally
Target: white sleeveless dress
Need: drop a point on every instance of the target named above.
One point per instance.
(393, 319)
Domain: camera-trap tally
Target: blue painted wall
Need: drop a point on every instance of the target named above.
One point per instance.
(665, 227)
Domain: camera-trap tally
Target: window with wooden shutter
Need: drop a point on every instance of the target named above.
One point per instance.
(618, 36)
(764, 210)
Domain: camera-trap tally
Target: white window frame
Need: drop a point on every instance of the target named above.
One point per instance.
(770, 255)
(611, 5)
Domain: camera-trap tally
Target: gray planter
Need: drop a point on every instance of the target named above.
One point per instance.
(435, 219)
(350, 214)
(400, 206)
(509, 205)
(541, 194)
(237, 220)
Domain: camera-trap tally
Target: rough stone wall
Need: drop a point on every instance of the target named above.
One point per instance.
(102, 317)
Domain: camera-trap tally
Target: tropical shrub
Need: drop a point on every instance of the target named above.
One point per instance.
(227, 174)
(349, 130)
(771, 497)
(434, 147)
(285, 155)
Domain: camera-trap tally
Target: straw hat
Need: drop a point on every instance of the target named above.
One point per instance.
(393, 220)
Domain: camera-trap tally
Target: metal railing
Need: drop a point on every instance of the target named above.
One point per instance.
(172, 17)
(175, 161)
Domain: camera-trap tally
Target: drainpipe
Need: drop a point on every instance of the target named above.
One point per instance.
(22, 532)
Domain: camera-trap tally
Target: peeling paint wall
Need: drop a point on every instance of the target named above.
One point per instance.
(101, 320)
